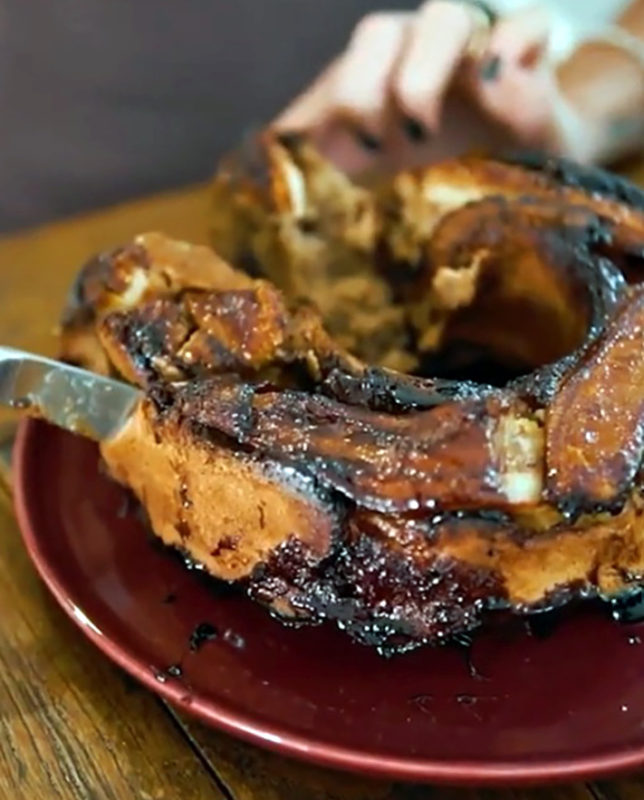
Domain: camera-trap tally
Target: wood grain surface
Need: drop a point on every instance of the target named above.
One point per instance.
(71, 724)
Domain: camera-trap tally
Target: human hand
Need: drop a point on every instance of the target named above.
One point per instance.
(415, 87)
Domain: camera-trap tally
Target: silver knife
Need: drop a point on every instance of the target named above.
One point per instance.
(69, 397)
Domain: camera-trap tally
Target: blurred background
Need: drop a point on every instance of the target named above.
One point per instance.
(101, 101)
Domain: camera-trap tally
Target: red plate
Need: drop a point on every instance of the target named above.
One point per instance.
(567, 706)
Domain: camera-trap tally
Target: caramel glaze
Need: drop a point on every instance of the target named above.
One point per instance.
(287, 454)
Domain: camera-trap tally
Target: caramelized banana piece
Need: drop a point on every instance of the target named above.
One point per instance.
(595, 423)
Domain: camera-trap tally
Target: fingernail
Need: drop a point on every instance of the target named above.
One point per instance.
(414, 129)
(367, 140)
(290, 139)
(490, 68)
(624, 127)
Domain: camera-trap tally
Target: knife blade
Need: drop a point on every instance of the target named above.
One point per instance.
(72, 398)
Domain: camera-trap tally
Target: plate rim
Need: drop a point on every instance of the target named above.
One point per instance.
(279, 738)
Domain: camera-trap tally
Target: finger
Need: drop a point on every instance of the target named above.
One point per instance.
(361, 87)
(312, 113)
(437, 43)
(519, 100)
(521, 39)
(339, 144)
(313, 107)
(510, 82)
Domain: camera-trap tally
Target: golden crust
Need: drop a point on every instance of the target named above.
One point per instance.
(227, 512)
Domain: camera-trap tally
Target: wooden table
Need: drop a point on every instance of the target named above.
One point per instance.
(71, 724)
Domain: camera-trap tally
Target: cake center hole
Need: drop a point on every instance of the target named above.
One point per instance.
(516, 321)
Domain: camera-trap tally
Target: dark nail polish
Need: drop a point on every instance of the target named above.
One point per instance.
(624, 127)
(291, 139)
(490, 68)
(367, 140)
(415, 130)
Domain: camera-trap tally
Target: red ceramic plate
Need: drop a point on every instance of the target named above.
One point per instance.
(565, 706)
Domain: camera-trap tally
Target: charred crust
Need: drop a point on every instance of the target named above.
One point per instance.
(591, 179)
(99, 275)
(390, 392)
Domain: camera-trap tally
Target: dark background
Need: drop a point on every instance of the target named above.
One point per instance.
(101, 100)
